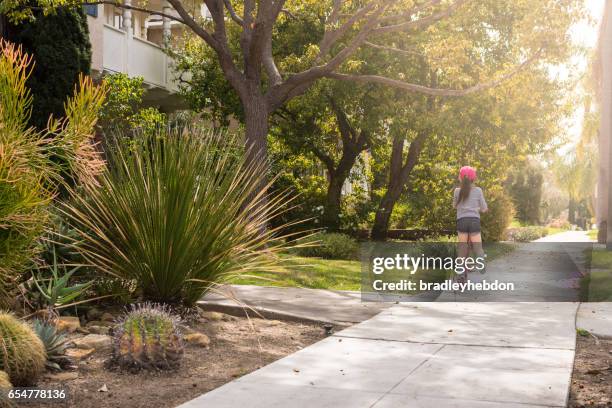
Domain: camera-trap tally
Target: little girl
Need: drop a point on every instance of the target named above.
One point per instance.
(469, 201)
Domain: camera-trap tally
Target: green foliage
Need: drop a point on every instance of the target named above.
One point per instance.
(526, 234)
(22, 354)
(525, 186)
(123, 112)
(55, 290)
(177, 214)
(328, 246)
(148, 337)
(55, 343)
(29, 178)
(582, 332)
(59, 43)
(497, 219)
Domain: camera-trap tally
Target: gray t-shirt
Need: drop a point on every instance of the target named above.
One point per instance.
(472, 205)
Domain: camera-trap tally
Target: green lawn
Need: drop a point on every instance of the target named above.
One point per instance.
(317, 273)
(313, 273)
(597, 285)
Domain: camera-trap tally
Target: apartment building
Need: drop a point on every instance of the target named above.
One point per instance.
(131, 42)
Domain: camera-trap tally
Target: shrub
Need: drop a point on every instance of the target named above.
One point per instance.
(22, 354)
(177, 214)
(526, 234)
(495, 221)
(123, 110)
(29, 178)
(147, 337)
(55, 343)
(59, 43)
(329, 246)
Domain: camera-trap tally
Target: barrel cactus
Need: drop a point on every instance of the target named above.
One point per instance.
(5, 381)
(5, 385)
(147, 337)
(22, 354)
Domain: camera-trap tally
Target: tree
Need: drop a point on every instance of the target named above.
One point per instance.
(262, 84)
(335, 123)
(525, 186)
(59, 44)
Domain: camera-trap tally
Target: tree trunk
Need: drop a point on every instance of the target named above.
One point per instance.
(571, 211)
(256, 143)
(256, 126)
(398, 177)
(383, 213)
(333, 199)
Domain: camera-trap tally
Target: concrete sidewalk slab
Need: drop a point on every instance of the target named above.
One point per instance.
(339, 307)
(499, 374)
(596, 318)
(540, 325)
(346, 364)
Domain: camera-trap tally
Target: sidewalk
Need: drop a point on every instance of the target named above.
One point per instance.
(438, 354)
(423, 355)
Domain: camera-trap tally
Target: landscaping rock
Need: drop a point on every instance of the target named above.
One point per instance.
(98, 329)
(94, 314)
(212, 316)
(68, 323)
(197, 339)
(79, 354)
(62, 376)
(99, 323)
(107, 317)
(98, 342)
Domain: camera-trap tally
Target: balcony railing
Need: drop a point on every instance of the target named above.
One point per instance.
(137, 57)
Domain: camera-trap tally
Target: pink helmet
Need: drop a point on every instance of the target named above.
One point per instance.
(469, 172)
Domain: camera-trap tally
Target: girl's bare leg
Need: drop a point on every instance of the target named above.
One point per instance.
(476, 240)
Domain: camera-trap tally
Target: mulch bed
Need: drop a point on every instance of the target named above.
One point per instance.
(237, 347)
(592, 377)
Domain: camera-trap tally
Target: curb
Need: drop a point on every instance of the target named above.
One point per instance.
(262, 312)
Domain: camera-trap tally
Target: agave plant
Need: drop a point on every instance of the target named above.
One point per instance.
(178, 213)
(55, 290)
(55, 343)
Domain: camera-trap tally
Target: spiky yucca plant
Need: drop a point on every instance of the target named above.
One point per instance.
(22, 354)
(147, 337)
(55, 343)
(178, 213)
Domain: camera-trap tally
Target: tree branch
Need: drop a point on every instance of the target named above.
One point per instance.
(411, 12)
(326, 159)
(422, 22)
(433, 91)
(232, 12)
(392, 49)
(191, 23)
(330, 37)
